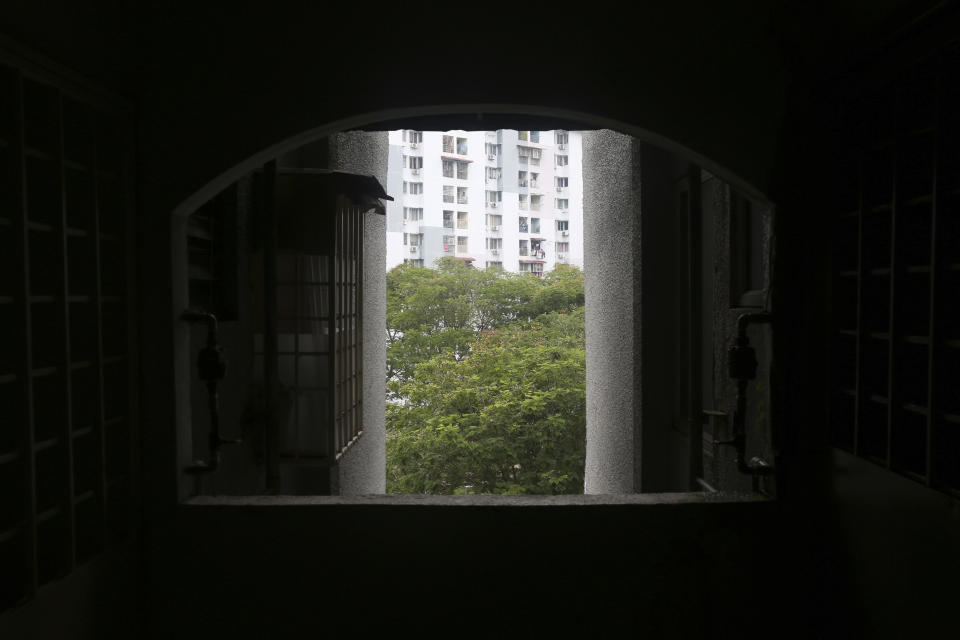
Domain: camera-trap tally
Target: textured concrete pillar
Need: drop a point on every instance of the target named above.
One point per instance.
(362, 469)
(611, 241)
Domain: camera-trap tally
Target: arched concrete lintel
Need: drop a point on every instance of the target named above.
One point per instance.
(589, 121)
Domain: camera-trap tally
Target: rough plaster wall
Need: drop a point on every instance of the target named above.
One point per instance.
(362, 469)
(757, 421)
(610, 208)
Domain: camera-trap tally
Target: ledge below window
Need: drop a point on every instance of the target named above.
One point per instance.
(479, 500)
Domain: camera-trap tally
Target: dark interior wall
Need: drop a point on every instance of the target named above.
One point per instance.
(215, 87)
(467, 570)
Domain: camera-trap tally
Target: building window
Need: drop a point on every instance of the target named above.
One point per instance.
(417, 262)
(461, 195)
(413, 187)
(405, 235)
(461, 219)
(495, 243)
(534, 180)
(494, 265)
(448, 243)
(522, 179)
(494, 219)
(563, 225)
(535, 202)
(413, 213)
(525, 154)
(563, 247)
(493, 149)
(561, 137)
(534, 225)
(561, 161)
(562, 203)
(523, 225)
(413, 162)
(448, 219)
(523, 202)
(462, 146)
(416, 239)
(448, 168)
(534, 136)
(531, 267)
(462, 168)
(414, 137)
(461, 243)
(562, 182)
(493, 197)
(524, 247)
(523, 135)
(448, 144)
(493, 173)
(449, 193)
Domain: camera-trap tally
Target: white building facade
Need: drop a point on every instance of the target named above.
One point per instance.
(509, 199)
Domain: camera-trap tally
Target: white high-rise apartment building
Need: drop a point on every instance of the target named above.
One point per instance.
(510, 199)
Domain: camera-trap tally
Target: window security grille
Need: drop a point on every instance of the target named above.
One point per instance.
(895, 344)
(319, 320)
(66, 405)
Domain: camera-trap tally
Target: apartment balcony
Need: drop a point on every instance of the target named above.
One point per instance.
(492, 205)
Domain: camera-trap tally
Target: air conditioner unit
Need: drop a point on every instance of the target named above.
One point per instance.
(413, 249)
(413, 145)
(495, 227)
(559, 189)
(415, 172)
(494, 252)
(493, 205)
(561, 146)
(490, 156)
(564, 233)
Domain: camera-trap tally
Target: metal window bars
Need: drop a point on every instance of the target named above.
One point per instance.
(895, 344)
(66, 403)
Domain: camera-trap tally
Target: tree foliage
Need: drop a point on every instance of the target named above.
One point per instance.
(486, 372)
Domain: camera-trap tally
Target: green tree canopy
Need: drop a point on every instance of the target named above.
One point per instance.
(487, 381)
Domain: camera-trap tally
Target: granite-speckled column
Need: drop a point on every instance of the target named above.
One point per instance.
(362, 469)
(611, 235)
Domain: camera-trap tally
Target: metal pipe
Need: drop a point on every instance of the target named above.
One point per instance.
(212, 368)
(743, 368)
